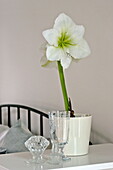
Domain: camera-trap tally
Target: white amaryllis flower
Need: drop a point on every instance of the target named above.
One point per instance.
(65, 41)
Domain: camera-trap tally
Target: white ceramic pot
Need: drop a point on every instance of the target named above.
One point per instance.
(79, 135)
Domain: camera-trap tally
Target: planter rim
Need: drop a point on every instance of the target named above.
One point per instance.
(81, 115)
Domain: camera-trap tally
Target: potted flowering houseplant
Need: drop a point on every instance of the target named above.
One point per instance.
(64, 44)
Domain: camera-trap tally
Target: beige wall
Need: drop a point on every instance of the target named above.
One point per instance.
(90, 82)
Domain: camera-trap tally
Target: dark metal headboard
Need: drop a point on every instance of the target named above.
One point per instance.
(28, 109)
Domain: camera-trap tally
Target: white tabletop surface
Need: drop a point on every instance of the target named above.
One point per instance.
(99, 157)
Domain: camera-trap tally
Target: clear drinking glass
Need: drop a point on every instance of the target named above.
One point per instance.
(59, 132)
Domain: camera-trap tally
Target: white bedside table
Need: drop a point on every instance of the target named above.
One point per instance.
(99, 157)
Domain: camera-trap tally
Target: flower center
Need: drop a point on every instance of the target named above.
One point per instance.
(64, 40)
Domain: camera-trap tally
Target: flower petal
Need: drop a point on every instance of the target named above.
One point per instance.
(54, 53)
(63, 22)
(81, 50)
(77, 32)
(65, 61)
(51, 36)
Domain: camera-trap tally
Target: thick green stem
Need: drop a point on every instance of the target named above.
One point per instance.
(62, 81)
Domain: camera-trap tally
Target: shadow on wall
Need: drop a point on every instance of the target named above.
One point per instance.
(97, 138)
